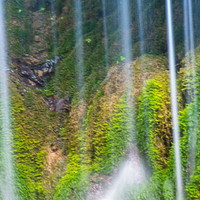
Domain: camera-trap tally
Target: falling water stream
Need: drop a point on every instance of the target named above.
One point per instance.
(130, 176)
(53, 24)
(190, 64)
(105, 33)
(131, 173)
(79, 44)
(141, 34)
(6, 175)
(171, 57)
(191, 31)
(141, 31)
(125, 26)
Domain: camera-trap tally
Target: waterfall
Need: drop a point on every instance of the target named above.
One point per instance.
(130, 176)
(105, 33)
(53, 24)
(126, 40)
(141, 32)
(190, 64)
(125, 26)
(171, 57)
(79, 44)
(191, 29)
(7, 174)
(189, 37)
(132, 172)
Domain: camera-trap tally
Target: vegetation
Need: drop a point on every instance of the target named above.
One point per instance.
(58, 154)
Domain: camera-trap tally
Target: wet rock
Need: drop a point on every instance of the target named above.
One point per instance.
(34, 70)
(26, 60)
(58, 104)
(98, 186)
(63, 104)
(26, 72)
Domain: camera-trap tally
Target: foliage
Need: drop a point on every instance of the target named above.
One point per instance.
(34, 127)
(190, 142)
(19, 28)
(109, 134)
(154, 134)
(75, 183)
(96, 137)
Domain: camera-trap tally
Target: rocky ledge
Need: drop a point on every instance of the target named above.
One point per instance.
(33, 71)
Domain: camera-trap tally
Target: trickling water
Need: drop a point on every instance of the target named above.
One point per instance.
(53, 24)
(191, 29)
(194, 136)
(105, 33)
(125, 26)
(79, 43)
(171, 56)
(131, 175)
(7, 177)
(141, 32)
(186, 31)
(189, 34)
(190, 63)
(132, 172)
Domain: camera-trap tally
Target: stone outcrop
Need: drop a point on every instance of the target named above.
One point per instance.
(33, 71)
(56, 104)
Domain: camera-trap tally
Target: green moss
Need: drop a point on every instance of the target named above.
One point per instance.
(154, 134)
(18, 28)
(75, 183)
(190, 143)
(154, 127)
(110, 134)
(34, 128)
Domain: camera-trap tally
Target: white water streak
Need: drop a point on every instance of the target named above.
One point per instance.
(131, 175)
(125, 26)
(171, 56)
(7, 175)
(125, 23)
(105, 34)
(79, 43)
(141, 34)
(141, 26)
(132, 172)
(190, 63)
(53, 25)
(191, 33)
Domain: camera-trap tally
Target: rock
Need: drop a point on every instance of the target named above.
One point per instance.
(26, 60)
(26, 72)
(62, 104)
(34, 70)
(58, 104)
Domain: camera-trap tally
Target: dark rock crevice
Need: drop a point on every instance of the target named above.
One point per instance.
(35, 72)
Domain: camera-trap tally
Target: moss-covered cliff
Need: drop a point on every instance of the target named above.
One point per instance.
(64, 155)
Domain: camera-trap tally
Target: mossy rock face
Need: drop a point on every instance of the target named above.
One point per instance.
(35, 130)
(190, 135)
(99, 133)
(34, 32)
(154, 121)
(154, 135)
(56, 154)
